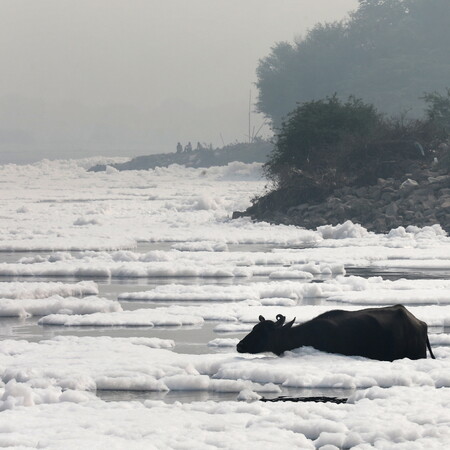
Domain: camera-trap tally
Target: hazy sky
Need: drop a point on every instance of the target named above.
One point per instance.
(128, 77)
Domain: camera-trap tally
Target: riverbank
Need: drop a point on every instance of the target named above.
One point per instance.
(420, 197)
(241, 152)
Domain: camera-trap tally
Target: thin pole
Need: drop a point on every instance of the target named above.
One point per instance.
(249, 117)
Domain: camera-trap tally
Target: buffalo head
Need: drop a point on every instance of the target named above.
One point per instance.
(263, 336)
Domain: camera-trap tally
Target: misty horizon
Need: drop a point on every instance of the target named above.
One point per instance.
(111, 79)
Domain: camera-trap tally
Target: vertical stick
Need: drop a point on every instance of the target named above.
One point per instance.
(249, 117)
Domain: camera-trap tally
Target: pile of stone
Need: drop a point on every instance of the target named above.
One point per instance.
(420, 198)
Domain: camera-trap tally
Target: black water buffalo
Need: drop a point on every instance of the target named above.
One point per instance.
(385, 334)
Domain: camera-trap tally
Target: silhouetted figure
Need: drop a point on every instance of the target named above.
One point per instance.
(199, 147)
(188, 147)
(179, 148)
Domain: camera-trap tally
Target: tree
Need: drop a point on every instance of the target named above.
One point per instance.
(318, 136)
(332, 143)
(438, 113)
(388, 52)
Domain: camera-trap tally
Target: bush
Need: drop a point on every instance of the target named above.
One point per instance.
(438, 114)
(329, 143)
(318, 136)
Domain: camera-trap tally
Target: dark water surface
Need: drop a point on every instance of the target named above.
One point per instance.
(201, 396)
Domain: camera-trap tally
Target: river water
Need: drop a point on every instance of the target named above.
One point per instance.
(190, 340)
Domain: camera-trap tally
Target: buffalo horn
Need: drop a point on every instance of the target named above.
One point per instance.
(280, 320)
(289, 324)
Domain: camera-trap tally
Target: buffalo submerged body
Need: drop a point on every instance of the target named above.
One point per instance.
(383, 334)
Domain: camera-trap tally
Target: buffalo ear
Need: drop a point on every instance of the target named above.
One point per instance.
(280, 320)
(289, 324)
(261, 319)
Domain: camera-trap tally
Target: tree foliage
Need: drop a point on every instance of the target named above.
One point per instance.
(318, 134)
(438, 113)
(331, 142)
(388, 52)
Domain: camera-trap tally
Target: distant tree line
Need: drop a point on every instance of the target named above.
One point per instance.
(388, 52)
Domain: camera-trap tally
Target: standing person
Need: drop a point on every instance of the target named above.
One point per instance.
(188, 147)
(179, 148)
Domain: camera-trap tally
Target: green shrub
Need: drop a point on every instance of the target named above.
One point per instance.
(330, 143)
(318, 136)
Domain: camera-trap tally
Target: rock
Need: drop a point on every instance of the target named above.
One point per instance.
(345, 190)
(374, 193)
(340, 213)
(423, 198)
(392, 210)
(333, 201)
(361, 192)
(444, 192)
(238, 214)
(409, 184)
(408, 215)
(379, 224)
(299, 209)
(428, 213)
(421, 193)
(426, 205)
(387, 197)
(446, 205)
(439, 179)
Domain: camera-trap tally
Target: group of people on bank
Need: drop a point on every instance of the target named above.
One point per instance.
(188, 147)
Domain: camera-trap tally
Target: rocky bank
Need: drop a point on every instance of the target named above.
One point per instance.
(421, 197)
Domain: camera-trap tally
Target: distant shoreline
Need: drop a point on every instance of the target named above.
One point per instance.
(242, 152)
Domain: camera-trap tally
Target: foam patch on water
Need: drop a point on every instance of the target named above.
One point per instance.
(57, 304)
(414, 421)
(16, 290)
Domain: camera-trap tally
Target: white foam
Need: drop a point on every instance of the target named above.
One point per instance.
(136, 318)
(47, 387)
(15, 290)
(413, 421)
(57, 304)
